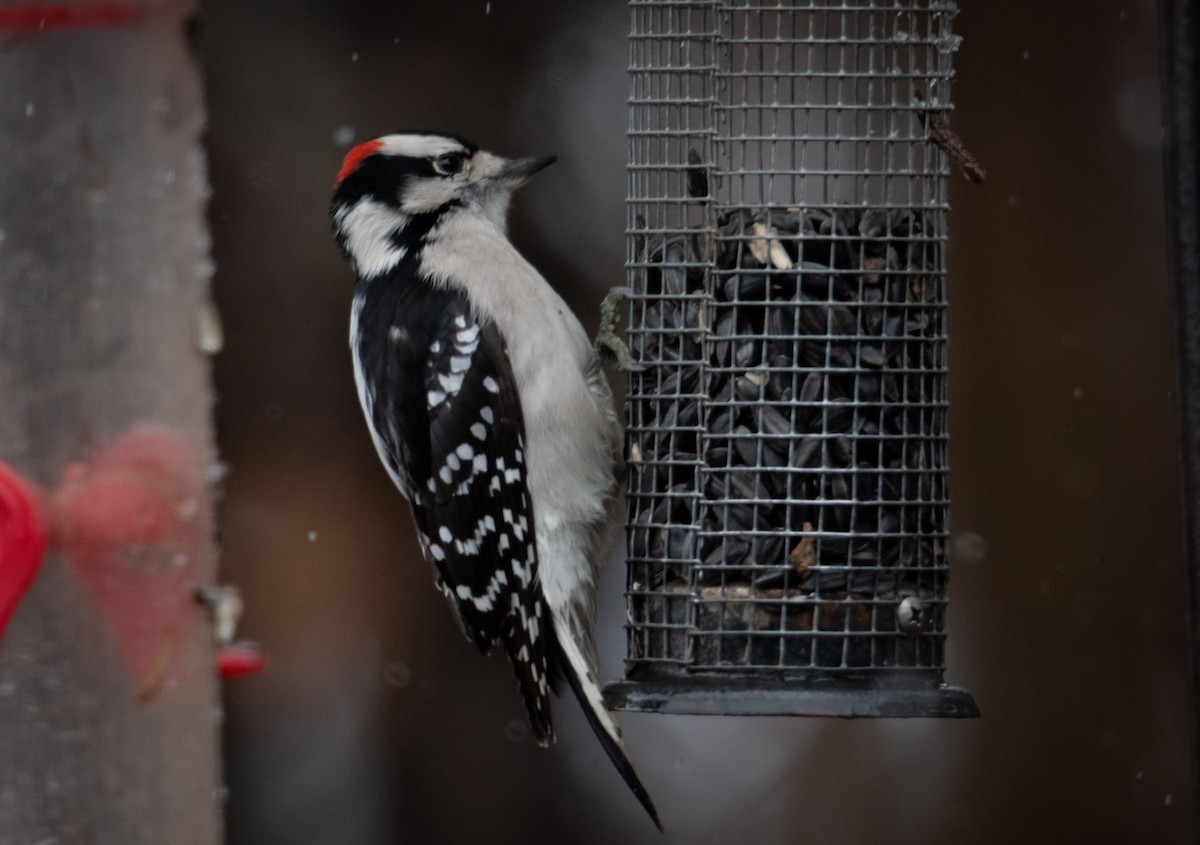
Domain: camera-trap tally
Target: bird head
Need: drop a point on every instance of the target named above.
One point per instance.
(419, 173)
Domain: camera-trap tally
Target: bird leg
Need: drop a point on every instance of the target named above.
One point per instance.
(608, 342)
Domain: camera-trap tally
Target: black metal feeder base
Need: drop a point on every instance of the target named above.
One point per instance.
(745, 695)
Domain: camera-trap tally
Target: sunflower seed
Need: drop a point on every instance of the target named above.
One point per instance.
(790, 431)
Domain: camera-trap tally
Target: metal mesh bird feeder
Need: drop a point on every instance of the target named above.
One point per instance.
(787, 438)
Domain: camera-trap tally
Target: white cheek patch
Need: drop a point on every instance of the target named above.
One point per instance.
(369, 227)
(425, 194)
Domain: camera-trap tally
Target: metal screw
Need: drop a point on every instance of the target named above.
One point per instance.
(910, 616)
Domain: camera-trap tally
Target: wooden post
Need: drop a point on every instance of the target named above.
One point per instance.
(108, 700)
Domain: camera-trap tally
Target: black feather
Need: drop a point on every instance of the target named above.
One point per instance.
(562, 670)
(446, 417)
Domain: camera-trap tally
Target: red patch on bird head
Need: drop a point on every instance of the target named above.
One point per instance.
(354, 158)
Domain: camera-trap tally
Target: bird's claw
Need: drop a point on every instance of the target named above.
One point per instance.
(608, 342)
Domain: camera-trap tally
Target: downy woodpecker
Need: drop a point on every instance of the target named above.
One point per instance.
(488, 408)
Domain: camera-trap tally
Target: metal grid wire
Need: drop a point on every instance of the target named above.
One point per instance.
(787, 439)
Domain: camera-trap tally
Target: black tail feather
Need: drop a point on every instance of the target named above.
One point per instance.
(612, 747)
(535, 694)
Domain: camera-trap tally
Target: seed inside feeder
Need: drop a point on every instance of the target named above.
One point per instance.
(789, 435)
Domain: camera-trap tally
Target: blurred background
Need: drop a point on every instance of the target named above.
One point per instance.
(378, 723)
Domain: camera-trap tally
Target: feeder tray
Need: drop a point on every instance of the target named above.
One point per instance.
(786, 445)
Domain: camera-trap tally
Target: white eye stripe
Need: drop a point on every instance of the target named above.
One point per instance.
(419, 146)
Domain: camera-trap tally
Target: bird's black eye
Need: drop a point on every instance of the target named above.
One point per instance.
(448, 164)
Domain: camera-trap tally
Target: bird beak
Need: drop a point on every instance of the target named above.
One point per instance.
(517, 170)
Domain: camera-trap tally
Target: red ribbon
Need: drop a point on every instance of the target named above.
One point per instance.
(60, 16)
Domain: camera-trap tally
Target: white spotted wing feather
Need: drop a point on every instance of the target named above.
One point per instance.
(476, 518)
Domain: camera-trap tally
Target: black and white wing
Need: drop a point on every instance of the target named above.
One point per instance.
(460, 452)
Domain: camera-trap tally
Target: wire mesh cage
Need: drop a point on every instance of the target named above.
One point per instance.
(787, 437)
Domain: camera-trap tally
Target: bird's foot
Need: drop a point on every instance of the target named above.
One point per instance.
(608, 342)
